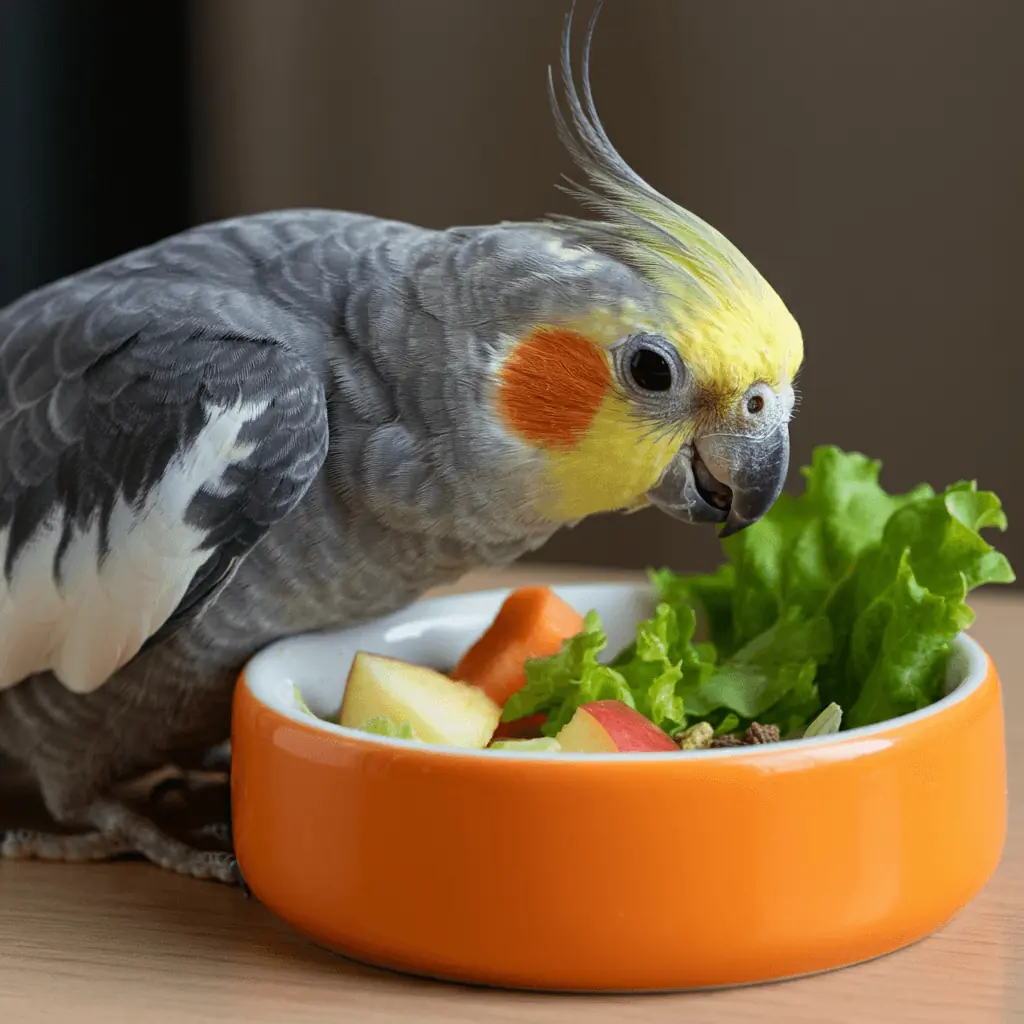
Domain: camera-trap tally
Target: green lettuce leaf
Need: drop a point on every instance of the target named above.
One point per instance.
(649, 675)
(779, 663)
(909, 602)
(730, 723)
(845, 595)
(559, 684)
(662, 662)
(797, 556)
(712, 593)
(890, 572)
(826, 723)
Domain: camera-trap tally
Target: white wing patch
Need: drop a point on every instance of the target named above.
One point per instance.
(85, 628)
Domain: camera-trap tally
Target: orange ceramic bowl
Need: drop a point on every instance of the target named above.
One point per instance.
(607, 872)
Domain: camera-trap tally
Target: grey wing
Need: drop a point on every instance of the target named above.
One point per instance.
(138, 461)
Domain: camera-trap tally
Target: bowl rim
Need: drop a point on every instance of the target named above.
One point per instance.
(968, 670)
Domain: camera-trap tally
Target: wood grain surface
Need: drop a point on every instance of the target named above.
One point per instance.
(128, 942)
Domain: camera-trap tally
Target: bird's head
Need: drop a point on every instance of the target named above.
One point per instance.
(678, 394)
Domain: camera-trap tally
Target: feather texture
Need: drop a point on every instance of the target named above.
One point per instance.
(136, 465)
(318, 390)
(730, 325)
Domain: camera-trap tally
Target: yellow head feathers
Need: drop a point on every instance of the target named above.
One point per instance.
(729, 325)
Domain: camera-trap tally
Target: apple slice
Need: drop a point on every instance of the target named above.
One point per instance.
(611, 727)
(438, 709)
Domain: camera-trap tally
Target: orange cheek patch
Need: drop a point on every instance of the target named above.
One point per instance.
(552, 386)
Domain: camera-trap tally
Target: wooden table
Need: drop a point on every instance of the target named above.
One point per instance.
(128, 942)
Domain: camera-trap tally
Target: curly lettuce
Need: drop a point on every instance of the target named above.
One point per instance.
(838, 607)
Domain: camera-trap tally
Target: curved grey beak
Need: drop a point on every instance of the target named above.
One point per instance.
(725, 478)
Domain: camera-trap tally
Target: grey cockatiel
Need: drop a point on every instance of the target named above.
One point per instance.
(298, 420)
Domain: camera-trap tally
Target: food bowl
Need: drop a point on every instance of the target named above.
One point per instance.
(619, 872)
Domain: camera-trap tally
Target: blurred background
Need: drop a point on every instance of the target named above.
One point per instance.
(868, 157)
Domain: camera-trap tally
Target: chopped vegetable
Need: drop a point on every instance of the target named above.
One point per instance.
(836, 610)
(843, 595)
(559, 684)
(827, 722)
(381, 725)
(532, 623)
(611, 727)
(437, 709)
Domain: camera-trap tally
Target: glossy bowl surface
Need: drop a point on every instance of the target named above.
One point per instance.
(606, 872)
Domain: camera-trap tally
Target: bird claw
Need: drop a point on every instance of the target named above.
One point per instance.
(27, 844)
(118, 830)
(113, 817)
(168, 853)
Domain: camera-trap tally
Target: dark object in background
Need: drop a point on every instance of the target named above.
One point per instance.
(94, 133)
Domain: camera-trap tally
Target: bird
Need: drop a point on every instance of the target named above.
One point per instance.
(303, 419)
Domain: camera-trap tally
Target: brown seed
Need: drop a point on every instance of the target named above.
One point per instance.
(758, 733)
(728, 740)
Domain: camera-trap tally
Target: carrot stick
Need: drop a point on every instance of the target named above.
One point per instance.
(532, 623)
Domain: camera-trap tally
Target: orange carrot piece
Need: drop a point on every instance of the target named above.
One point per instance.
(532, 623)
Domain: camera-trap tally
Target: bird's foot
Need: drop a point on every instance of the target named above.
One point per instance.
(112, 817)
(183, 826)
(119, 832)
(27, 844)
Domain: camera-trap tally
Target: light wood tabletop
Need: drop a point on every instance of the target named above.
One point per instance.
(129, 942)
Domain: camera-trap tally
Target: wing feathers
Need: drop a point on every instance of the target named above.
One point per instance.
(129, 490)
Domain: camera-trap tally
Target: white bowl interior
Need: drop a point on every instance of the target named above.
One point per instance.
(436, 632)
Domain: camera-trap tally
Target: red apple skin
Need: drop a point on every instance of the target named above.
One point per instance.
(624, 730)
(628, 729)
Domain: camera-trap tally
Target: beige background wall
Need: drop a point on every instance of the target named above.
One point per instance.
(868, 156)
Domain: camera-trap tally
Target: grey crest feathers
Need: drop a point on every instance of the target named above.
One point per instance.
(674, 249)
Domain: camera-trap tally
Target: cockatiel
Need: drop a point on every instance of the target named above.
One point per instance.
(298, 420)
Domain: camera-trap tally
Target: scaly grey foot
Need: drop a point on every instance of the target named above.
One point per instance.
(113, 818)
(118, 830)
(26, 844)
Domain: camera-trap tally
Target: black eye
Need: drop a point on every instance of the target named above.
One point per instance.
(650, 370)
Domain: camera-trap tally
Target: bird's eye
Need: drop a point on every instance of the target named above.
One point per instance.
(650, 370)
